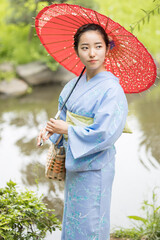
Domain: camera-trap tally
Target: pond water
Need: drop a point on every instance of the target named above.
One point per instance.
(137, 158)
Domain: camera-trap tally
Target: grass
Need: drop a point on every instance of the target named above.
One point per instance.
(146, 228)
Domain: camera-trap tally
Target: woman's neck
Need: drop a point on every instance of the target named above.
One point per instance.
(91, 73)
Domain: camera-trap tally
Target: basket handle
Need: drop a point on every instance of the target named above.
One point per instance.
(58, 141)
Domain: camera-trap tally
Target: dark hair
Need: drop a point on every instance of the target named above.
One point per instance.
(88, 27)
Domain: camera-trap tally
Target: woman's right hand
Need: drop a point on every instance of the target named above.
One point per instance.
(43, 136)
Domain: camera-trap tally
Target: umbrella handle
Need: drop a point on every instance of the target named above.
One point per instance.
(57, 114)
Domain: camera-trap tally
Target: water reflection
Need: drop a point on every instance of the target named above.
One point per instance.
(146, 109)
(20, 121)
(33, 174)
(20, 160)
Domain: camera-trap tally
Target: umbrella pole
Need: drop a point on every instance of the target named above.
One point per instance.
(59, 111)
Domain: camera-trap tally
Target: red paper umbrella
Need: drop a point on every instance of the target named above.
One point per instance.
(128, 59)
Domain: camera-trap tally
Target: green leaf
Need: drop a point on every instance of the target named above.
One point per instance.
(24, 216)
(144, 10)
(137, 218)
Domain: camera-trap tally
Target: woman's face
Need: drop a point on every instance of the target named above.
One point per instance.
(92, 50)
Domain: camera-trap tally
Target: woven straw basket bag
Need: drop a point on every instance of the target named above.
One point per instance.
(55, 164)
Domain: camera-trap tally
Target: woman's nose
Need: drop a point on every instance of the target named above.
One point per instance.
(91, 52)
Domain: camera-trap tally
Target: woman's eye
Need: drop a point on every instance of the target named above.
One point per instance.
(84, 48)
(99, 46)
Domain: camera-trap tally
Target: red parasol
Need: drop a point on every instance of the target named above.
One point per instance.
(128, 59)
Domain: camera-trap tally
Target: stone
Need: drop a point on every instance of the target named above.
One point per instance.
(34, 73)
(62, 75)
(37, 73)
(15, 87)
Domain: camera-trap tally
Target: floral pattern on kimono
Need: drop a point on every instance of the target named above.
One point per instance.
(90, 154)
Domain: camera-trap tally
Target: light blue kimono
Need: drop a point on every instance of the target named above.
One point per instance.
(90, 155)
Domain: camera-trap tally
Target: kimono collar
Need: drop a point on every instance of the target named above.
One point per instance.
(99, 76)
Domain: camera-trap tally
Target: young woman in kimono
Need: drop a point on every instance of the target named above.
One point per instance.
(91, 121)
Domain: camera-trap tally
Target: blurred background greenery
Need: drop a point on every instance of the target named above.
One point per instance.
(19, 45)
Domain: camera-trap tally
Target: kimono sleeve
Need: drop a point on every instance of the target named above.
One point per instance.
(55, 136)
(108, 125)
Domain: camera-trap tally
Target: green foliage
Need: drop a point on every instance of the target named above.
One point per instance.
(126, 233)
(23, 215)
(148, 227)
(148, 14)
(22, 11)
(15, 46)
(7, 75)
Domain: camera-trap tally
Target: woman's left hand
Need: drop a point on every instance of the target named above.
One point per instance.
(56, 126)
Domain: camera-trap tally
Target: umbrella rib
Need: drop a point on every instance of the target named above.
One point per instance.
(79, 14)
(80, 68)
(133, 71)
(112, 55)
(118, 69)
(107, 23)
(54, 28)
(128, 49)
(119, 35)
(125, 49)
(76, 64)
(85, 14)
(65, 16)
(67, 58)
(128, 75)
(121, 57)
(57, 42)
(115, 29)
(111, 65)
(120, 42)
(55, 34)
(74, 11)
(56, 22)
(97, 18)
(60, 50)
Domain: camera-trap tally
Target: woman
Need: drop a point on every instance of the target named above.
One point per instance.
(91, 121)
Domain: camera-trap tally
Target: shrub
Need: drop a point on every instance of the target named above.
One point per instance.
(23, 215)
(148, 227)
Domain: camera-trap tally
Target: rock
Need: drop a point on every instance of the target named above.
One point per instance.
(6, 67)
(62, 75)
(15, 87)
(37, 73)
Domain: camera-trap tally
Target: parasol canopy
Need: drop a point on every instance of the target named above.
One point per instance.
(127, 59)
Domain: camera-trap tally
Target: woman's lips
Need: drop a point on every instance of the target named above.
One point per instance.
(93, 61)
